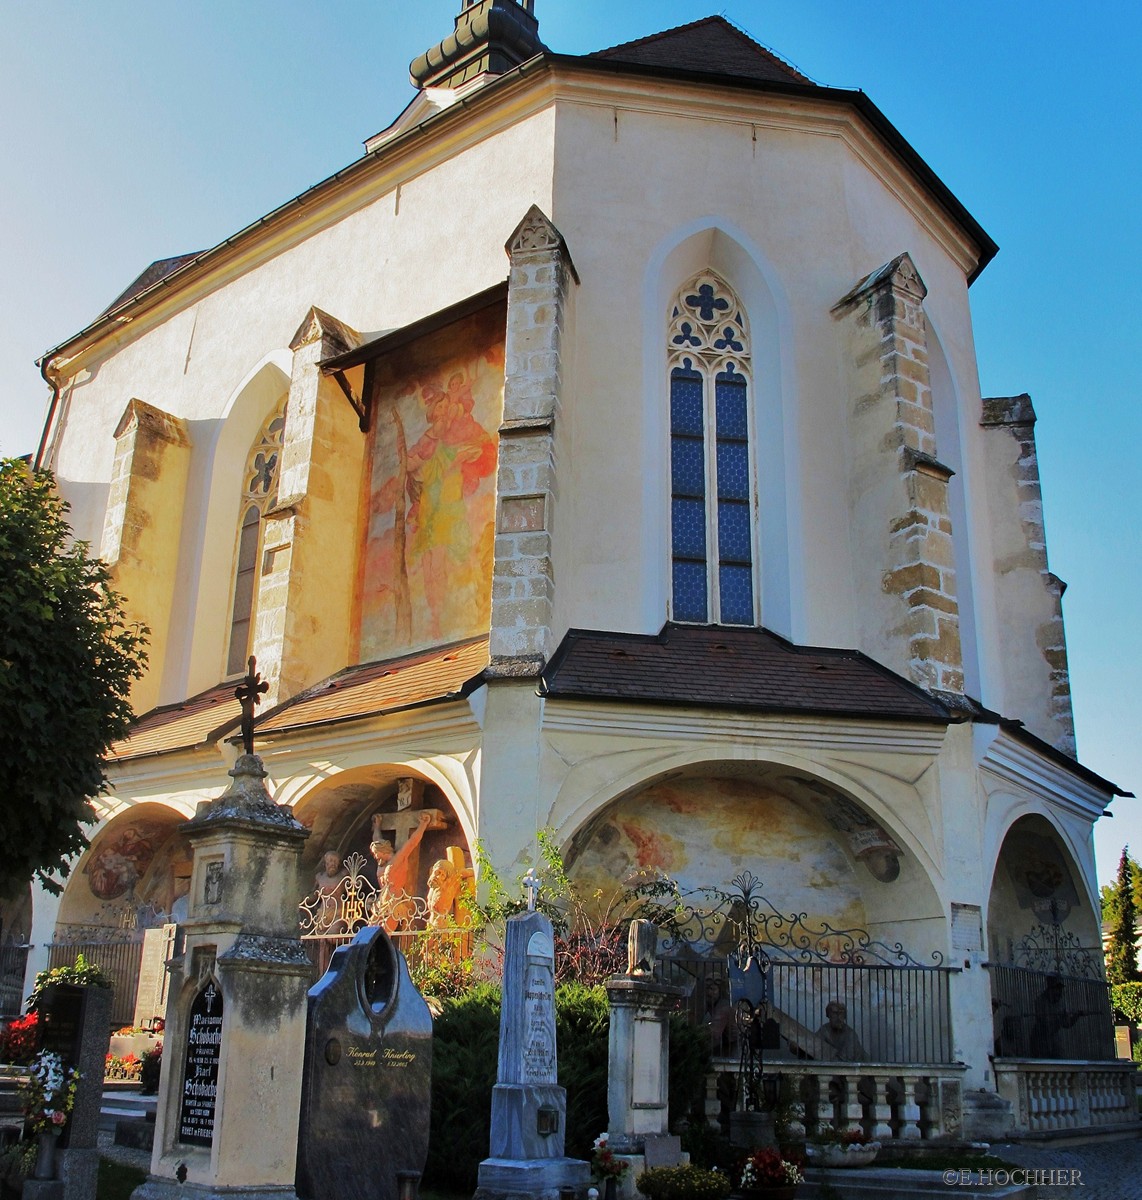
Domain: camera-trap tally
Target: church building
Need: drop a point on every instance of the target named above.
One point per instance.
(603, 453)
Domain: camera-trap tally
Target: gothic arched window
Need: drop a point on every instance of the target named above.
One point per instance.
(712, 527)
(259, 493)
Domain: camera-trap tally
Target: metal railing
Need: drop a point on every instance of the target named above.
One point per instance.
(120, 960)
(13, 966)
(1040, 1014)
(896, 1014)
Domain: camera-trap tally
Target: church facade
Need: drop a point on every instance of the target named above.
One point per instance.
(603, 453)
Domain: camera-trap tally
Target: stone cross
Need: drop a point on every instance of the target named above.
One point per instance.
(249, 693)
(531, 887)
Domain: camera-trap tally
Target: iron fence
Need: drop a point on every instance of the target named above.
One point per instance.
(897, 1014)
(13, 966)
(119, 960)
(1043, 1014)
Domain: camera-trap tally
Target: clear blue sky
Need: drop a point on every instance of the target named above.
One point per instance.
(137, 130)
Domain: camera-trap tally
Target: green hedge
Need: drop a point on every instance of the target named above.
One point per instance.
(1127, 1001)
(465, 1049)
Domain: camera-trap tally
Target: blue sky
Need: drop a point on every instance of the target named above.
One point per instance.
(138, 130)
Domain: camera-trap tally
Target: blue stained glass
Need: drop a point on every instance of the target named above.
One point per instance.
(729, 402)
(687, 467)
(733, 471)
(736, 585)
(688, 528)
(733, 532)
(689, 591)
(686, 403)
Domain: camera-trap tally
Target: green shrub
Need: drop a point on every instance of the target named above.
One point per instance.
(465, 1050)
(1127, 1001)
(684, 1183)
(581, 1030)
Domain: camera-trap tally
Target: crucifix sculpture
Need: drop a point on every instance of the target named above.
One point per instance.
(250, 692)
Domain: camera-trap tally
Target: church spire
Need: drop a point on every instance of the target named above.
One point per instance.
(491, 37)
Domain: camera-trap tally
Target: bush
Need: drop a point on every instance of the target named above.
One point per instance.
(20, 1040)
(684, 1183)
(582, 1027)
(1127, 1001)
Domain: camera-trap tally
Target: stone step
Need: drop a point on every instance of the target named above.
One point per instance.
(903, 1183)
(138, 1133)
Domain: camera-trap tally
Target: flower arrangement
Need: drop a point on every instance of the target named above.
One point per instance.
(684, 1183)
(766, 1168)
(150, 1069)
(604, 1162)
(127, 1066)
(81, 973)
(828, 1136)
(20, 1039)
(49, 1094)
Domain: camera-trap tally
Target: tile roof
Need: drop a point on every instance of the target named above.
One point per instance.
(727, 667)
(712, 46)
(382, 687)
(155, 273)
(195, 722)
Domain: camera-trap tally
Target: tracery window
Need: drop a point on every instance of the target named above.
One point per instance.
(712, 506)
(259, 494)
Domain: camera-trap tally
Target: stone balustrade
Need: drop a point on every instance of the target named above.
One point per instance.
(916, 1102)
(1068, 1095)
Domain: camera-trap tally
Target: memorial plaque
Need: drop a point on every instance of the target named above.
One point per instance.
(61, 1017)
(200, 1073)
(539, 1064)
(368, 1072)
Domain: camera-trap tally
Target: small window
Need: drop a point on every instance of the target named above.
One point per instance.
(259, 494)
(713, 499)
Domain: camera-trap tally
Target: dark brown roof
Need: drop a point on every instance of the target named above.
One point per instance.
(201, 719)
(382, 687)
(155, 273)
(725, 667)
(712, 46)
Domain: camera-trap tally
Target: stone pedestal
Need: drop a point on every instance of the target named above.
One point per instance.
(230, 1095)
(987, 1117)
(638, 1071)
(529, 1108)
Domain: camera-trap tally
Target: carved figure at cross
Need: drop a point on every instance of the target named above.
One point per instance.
(249, 693)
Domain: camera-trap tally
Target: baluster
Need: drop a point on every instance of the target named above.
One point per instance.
(852, 1114)
(881, 1108)
(909, 1109)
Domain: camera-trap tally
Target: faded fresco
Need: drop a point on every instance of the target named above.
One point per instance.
(427, 564)
(703, 832)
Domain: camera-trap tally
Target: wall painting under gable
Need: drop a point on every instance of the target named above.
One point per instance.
(426, 566)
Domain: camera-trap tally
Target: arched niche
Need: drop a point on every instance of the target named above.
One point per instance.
(1038, 913)
(815, 849)
(340, 812)
(130, 878)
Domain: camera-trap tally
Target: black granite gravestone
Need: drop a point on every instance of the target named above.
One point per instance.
(200, 1071)
(76, 1024)
(367, 1083)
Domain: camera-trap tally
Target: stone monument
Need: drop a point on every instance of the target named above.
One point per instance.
(235, 1027)
(638, 1060)
(529, 1108)
(365, 1098)
(76, 1024)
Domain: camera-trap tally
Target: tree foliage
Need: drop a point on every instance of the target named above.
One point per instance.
(1122, 953)
(67, 662)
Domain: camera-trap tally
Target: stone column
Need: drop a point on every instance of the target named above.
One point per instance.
(230, 1097)
(523, 578)
(638, 1072)
(898, 488)
(310, 542)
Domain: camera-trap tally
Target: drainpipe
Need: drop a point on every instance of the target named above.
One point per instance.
(45, 365)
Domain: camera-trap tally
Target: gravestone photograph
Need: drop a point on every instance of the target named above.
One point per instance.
(367, 1084)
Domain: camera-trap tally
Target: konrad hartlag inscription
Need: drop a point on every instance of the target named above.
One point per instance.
(200, 1077)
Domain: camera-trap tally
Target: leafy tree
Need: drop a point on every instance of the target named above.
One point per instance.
(67, 662)
(1108, 893)
(1122, 953)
